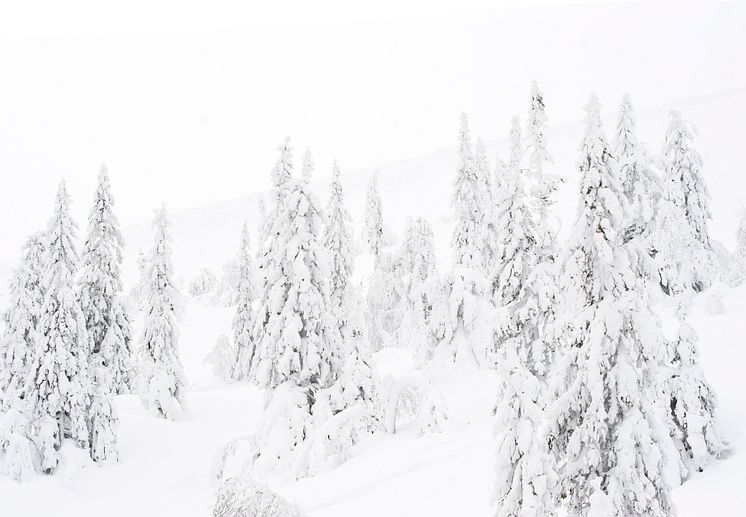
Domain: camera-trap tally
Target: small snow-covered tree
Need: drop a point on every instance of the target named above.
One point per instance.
(307, 167)
(525, 471)
(338, 241)
(604, 424)
(482, 165)
(374, 219)
(536, 122)
(739, 256)
(692, 401)
(58, 387)
(102, 415)
(516, 145)
(639, 182)
(297, 340)
(222, 358)
(243, 319)
(16, 448)
(384, 301)
(282, 173)
(421, 290)
(469, 203)
(26, 296)
(161, 374)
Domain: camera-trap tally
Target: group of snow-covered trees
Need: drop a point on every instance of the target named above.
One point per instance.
(66, 349)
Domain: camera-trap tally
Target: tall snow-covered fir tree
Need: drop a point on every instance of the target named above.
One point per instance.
(683, 168)
(101, 284)
(489, 229)
(374, 218)
(605, 427)
(26, 296)
(692, 401)
(536, 122)
(297, 339)
(243, 318)
(161, 375)
(338, 241)
(58, 387)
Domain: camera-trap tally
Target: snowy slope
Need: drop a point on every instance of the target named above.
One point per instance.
(165, 467)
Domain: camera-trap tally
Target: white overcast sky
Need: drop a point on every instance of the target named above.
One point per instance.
(186, 102)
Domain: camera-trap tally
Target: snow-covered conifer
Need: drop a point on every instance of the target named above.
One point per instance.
(58, 387)
(282, 173)
(374, 218)
(338, 240)
(384, 301)
(102, 415)
(536, 122)
(243, 319)
(222, 358)
(116, 349)
(161, 374)
(297, 340)
(469, 202)
(482, 166)
(604, 424)
(101, 285)
(21, 318)
(516, 145)
(692, 401)
(307, 167)
(525, 471)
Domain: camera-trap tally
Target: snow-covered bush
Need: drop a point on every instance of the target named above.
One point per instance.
(222, 358)
(243, 497)
(16, 447)
(411, 399)
(204, 282)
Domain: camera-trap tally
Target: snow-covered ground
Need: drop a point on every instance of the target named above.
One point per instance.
(166, 467)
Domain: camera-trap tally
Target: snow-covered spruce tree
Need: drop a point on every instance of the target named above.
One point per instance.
(282, 173)
(515, 239)
(463, 317)
(384, 301)
(26, 296)
(482, 165)
(683, 167)
(516, 145)
(160, 373)
(640, 183)
(116, 349)
(692, 401)
(488, 224)
(100, 283)
(297, 340)
(102, 415)
(243, 319)
(338, 241)
(307, 167)
(421, 290)
(469, 201)
(536, 122)
(374, 218)
(58, 387)
(604, 425)
(525, 471)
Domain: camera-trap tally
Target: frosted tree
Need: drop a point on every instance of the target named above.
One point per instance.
(639, 182)
(26, 296)
(297, 340)
(482, 166)
(692, 401)
(525, 471)
(384, 301)
(161, 374)
(263, 225)
(683, 168)
(421, 290)
(374, 219)
(243, 319)
(536, 123)
(101, 285)
(515, 238)
(604, 424)
(58, 387)
(102, 416)
(282, 173)
(115, 351)
(468, 201)
(338, 241)
(516, 145)
(307, 167)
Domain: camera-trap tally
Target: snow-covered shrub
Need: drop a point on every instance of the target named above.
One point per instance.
(16, 448)
(243, 497)
(411, 398)
(221, 358)
(727, 265)
(204, 282)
